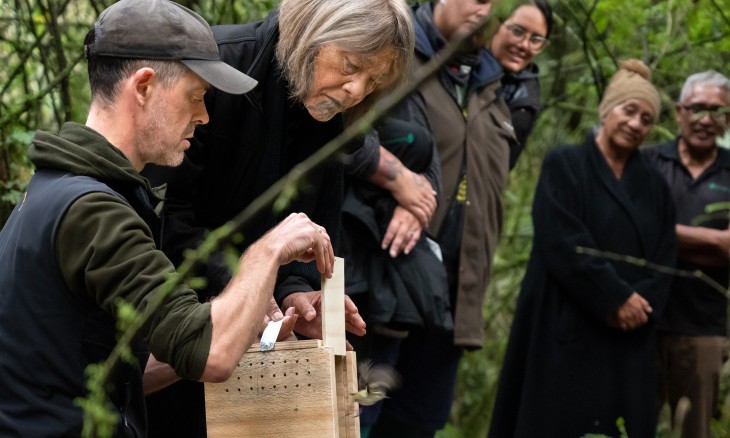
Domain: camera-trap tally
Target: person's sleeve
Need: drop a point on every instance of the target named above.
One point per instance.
(323, 205)
(415, 111)
(106, 251)
(524, 112)
(363, 161)
(591, 281)
(288, 282)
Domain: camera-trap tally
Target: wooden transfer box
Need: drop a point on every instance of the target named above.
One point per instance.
(299, 389)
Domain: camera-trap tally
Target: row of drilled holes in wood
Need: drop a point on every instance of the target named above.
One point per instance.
(285, 374)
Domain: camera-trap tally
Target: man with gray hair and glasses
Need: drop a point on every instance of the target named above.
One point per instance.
(85, 234)
(693, 327)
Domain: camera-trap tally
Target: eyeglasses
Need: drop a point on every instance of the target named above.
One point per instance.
(537, 42)
(716, 112)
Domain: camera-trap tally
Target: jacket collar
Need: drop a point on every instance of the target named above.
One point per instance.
(267, 35)
(625, 189)
(670, 151)
(80, 150)
(530, 72)
(429, 41)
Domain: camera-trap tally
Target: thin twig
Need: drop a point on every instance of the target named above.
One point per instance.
(698, 274)
(223, 235)
(721, 11)
(63, 74)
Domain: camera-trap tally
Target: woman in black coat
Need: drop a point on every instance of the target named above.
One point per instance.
(581, 351)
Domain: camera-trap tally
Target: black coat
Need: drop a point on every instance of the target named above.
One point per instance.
(567, 372)
(521, 93)
(408, 290)
(250, 142)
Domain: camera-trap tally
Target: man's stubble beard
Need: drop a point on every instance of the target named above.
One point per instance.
(155, 150)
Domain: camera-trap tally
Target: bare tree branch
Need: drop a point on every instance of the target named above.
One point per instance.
(26, 105)
(699, 275)
(60, 55)
(721, 11)
(281, 189)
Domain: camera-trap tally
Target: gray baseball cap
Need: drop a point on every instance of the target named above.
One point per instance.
(161, 29)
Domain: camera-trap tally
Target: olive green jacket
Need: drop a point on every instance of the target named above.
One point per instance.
(106, 251)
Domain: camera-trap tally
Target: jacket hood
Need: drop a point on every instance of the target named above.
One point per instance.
(424, 26)
(485, 72)
(80, 150)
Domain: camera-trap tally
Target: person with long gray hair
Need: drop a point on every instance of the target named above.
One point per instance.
(319, 65)
(693, 328)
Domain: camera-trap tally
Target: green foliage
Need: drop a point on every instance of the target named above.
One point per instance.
(675, 38)
(232, 11)
(620, 423)
(126, 317)
(284, 199)
(14, 169)
(43, 84)
(43, 80)
(100, 414)
(197, 283)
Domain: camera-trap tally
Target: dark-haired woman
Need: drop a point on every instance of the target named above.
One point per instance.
(517, 41)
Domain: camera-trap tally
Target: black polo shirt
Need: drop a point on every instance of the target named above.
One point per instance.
(695, 308)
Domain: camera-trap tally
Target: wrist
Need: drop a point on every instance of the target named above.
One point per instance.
(264, 253)
(389, 171)
(721, 239)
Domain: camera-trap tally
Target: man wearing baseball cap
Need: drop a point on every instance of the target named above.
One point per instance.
(85, 233)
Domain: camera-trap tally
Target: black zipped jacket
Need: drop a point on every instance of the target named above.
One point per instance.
(521, 93)
(250, 142)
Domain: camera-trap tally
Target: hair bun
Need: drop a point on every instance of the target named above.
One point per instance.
(638, 67)
(632, 81)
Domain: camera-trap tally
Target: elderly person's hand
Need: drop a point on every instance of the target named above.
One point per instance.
(274, 314)
(403, 232)
(309, 306)
(632, 314)
(414, 192)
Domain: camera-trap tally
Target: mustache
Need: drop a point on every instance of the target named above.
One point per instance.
(327, 106)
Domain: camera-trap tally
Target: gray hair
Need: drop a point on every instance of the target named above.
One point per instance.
(361, 26)
(709, 77)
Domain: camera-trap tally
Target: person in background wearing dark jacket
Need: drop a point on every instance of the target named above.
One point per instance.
(319, 65)
(84, 235)
(582, 344)
(470, 127)
(394, 282)
(519, 38)
(693, 328)
(399, 287)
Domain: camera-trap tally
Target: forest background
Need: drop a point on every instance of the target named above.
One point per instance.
(43, 83)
